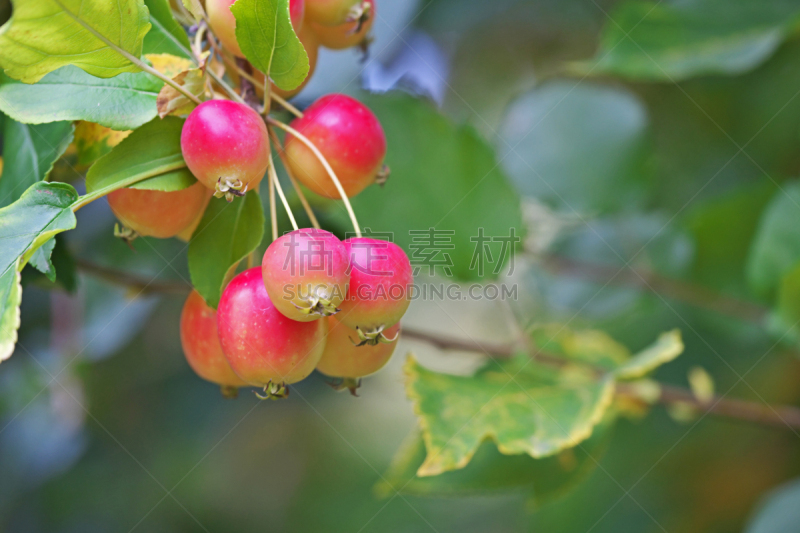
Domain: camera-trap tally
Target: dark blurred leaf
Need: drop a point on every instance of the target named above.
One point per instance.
(153, 150)
(123, 102)
(93, 141)
(776, 248)
(579, 146)
(226, 234)
(444, 177)
(265, 34)
(663, 41)
(779, 512)
(491, 472)
(28, 155)
(166, 36)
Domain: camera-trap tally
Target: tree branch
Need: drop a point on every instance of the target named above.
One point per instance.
(784, 417)
(692, 294)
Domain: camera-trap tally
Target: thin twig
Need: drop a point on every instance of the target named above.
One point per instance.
(274, 178)
(692, 294)
(300, 194)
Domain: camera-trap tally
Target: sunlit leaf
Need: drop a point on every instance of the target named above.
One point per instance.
(44, 35)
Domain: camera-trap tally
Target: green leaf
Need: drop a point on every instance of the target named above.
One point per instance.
(578, 146)
(166, 36)
(668, 346)
(265, 34)
(93, 141)
(225, 235)
(663, 41)
(10, 299)
(526, 406)
(124, 102)
(490, 472)
(776, 248)
(154, 150)
(195, 8)
(40, 260)
(29, 153)
(779, 511)
(40, 213)
(443, 177)
(519, 410)
(44, 35)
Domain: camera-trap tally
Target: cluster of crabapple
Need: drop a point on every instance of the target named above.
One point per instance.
(316, 301)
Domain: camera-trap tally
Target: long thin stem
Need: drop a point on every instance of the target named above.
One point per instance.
(273, 96)
(88, 198)
(274, 178)
(273, 209)
(300, 194)
(327, 166)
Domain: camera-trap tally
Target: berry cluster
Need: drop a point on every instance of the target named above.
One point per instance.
(316, 301)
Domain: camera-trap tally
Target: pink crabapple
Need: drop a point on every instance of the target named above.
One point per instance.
(226, 147)
(262, 346)
(158, 213)
(348, 135)
(378, 294)
(202, 348)
(305, 274)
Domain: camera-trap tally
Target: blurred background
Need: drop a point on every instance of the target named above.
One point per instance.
(660, 135)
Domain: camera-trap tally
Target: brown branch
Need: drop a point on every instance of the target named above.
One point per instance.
(692, 294)
(784, 417)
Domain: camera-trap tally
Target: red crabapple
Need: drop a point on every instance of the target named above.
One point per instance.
(378, 294)
(158, 213)
(305, 274)
(349, 34)
(344, 358)
(201, 345)
(348, 135)
(223, 23)
(226, 147)
(262, 346)
(333, 12)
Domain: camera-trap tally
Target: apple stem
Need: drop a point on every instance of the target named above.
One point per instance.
(273, 209)
(273, 176)
(302, 138)
(300, 194)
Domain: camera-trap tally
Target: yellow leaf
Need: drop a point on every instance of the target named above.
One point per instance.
(92, 141)
(169, 65)
(170, 101)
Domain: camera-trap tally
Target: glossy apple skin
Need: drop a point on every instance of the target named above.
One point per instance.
(380, 284)
(223, 23)
(303, 263)
(329, 12)
(186, 233)
(157, 213)
(201, 344)
(343, 359)
(350, 137)
(259, 342)
(344, 35)
(224, 139)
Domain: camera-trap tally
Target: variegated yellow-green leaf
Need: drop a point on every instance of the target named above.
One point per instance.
(173, 102)
(96, 35)
(93, 141)
(668, 346)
